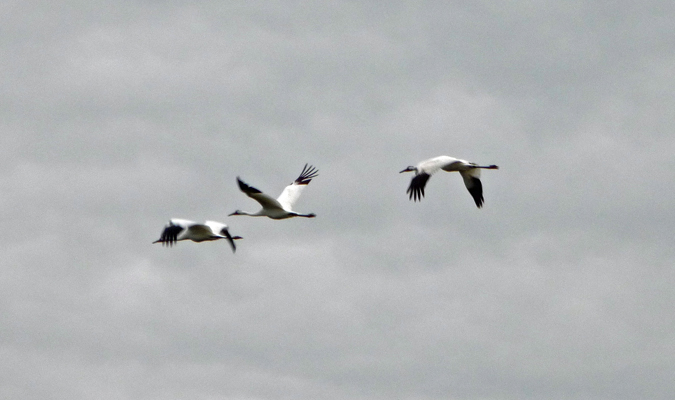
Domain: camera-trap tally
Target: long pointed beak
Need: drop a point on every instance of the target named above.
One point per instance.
(405, 170)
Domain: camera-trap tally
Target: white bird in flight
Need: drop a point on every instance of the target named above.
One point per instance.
(282, 207)
(182, 229)
(470, 173)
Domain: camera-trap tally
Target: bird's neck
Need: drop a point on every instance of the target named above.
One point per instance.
(258, 214)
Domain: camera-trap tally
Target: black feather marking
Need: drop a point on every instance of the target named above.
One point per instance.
(170, 234)
(225, 232)
(417, 184)
(246, 188)
(306, 175)
(476, 190)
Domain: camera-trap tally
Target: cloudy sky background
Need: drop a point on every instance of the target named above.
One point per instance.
(116, 116)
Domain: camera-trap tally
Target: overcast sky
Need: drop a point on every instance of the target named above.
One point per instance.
(118, 115)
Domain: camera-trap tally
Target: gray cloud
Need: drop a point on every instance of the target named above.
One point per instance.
(117, 117)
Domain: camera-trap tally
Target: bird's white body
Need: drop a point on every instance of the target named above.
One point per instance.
(183, 229)
(470, 173)
(281, 207)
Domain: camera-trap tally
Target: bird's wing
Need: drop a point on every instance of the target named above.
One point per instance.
(225, 232)
(198, 230)
(472, 182)
(170, 234)
(219, 228)
(433, 165)
(264, 200)
(424, 171)
(185, 223)
(292, 192)
(417, 184)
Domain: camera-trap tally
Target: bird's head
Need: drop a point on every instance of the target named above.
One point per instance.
(409, 169)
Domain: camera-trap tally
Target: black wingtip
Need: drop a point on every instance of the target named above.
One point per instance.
(476, 191)
(417, 185)
(169, 235)
(308, 172)
(229, 238)
(246, 188)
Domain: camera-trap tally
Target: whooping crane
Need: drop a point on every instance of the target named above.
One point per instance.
(470, 173)
(282, 207)
(182, 229)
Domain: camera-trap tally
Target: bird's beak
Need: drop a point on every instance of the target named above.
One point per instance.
(405, 170)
